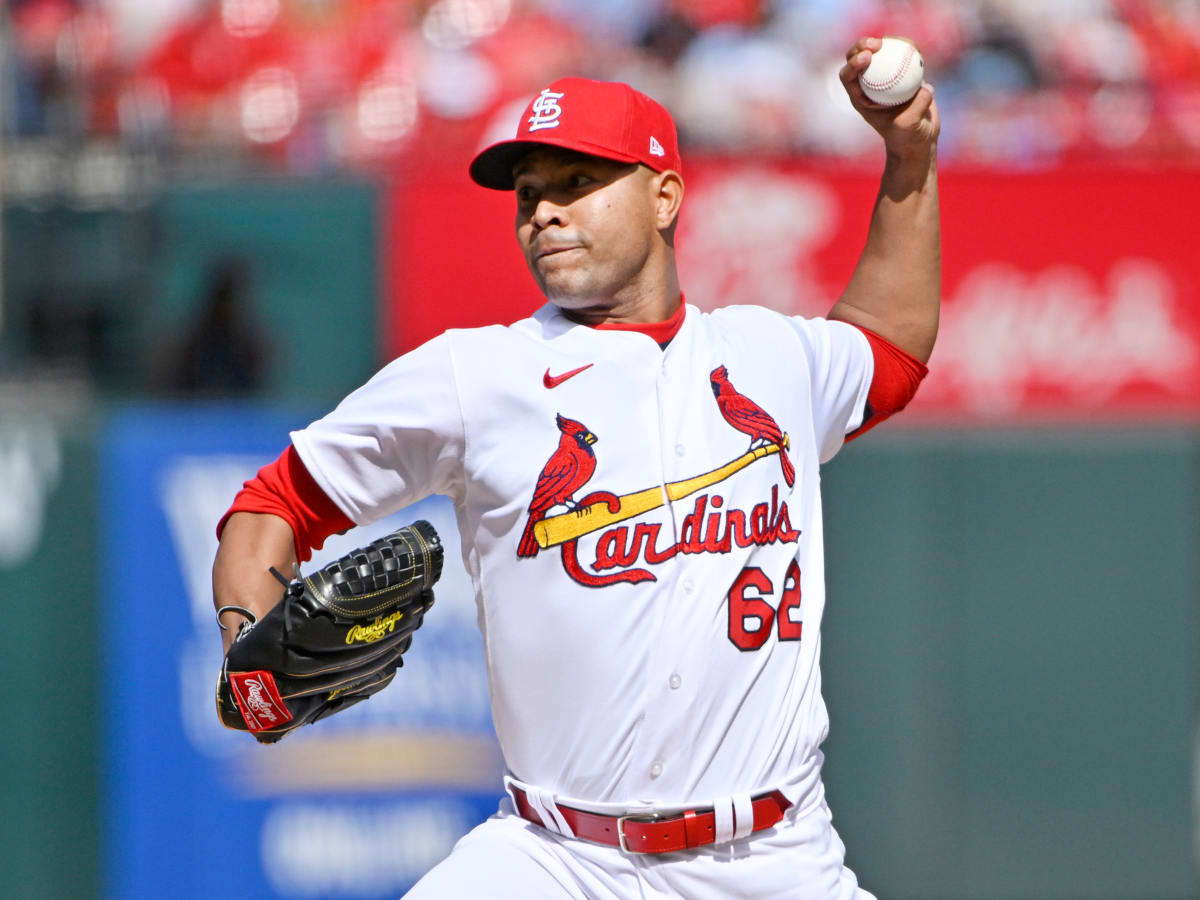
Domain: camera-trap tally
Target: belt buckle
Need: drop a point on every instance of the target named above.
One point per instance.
(646, 818)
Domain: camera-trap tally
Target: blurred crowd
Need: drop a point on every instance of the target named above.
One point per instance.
(327, 85)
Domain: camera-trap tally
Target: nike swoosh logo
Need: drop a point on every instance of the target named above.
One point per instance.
(553, 381)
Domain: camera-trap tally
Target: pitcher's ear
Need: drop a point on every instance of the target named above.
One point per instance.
(668, 198)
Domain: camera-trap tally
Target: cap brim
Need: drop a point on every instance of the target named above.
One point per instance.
(492, 168)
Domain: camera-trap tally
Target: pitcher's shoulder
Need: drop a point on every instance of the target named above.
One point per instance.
(749, 316)
(755, 322)
(544, 325)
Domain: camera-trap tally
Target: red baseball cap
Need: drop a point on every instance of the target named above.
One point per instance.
(603, 118)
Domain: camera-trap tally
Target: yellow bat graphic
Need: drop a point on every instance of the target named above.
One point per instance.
(578, 522)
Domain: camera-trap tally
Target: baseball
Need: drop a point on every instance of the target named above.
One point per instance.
(895, 72)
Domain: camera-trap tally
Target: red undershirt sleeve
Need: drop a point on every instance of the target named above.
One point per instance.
(286, 489)
(897, 376)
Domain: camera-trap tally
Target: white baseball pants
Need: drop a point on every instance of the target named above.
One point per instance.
(801, 858)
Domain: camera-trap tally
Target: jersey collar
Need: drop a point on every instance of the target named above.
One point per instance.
(660, 332)
(553, 324)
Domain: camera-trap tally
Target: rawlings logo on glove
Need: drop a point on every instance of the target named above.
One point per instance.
(368, 634)
(259, 700)
(336, 637)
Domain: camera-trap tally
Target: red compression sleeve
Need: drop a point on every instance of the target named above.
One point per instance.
(897, 376)
(286, 489)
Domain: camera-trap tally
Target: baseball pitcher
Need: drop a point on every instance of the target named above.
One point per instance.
(637, 489)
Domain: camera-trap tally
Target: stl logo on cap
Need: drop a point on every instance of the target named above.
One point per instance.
(545, 110)
(608, 119)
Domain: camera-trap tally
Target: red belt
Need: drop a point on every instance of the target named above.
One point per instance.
(649, 833)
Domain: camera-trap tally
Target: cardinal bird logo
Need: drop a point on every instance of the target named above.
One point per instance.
(749, 418)
(566, 471)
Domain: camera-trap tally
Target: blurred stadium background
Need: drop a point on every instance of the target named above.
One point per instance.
(219, 216)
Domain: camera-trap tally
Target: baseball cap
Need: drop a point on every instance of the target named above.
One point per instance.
(603, 118)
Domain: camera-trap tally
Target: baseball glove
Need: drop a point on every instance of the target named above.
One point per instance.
(336, 638)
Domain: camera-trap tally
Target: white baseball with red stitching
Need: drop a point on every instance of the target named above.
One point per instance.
(895, 72)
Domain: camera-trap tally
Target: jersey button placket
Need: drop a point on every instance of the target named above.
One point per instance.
(654, 732)
(676, 598)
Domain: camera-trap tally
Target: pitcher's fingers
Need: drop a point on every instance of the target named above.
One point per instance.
(919, 105)
(917, 108)
(935, 118)
(864, 43)
(849, 73)
(849, 79)
(855, 67)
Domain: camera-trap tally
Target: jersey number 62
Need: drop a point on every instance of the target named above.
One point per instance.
(751, 614)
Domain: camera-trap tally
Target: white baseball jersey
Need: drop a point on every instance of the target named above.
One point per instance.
(643, 530)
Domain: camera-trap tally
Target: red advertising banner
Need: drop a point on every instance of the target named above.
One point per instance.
(1069, 295)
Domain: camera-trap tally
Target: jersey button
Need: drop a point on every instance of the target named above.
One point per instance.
(689, 585)
(680, 450)
(674, 681)
(656, 769)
